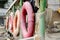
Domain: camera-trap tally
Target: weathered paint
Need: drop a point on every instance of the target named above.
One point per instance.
(42, 20)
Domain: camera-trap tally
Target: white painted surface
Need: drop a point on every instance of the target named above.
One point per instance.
(53, 4)
(2, 11)
(53, 7)
(53, 1)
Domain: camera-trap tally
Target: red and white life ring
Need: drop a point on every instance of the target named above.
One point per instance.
(10, 29)
(16, 23)
(27, 9)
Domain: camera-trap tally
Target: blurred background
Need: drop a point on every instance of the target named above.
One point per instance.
(52, 17)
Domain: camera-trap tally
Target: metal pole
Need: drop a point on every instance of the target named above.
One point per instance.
(13, 9)
(11, 5)
(21, 2)
(20, 6)
(42, 20)
(43, 5)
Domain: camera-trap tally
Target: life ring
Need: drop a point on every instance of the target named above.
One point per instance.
(16, 23)
(27, 9)
(10, 29)
(7, 23)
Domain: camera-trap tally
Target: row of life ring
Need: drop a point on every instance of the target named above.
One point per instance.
(14, 23)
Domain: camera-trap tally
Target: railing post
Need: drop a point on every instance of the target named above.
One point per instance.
(20, 6)
(42, 20)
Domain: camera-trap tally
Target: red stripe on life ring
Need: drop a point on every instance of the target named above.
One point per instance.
(27, 9)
